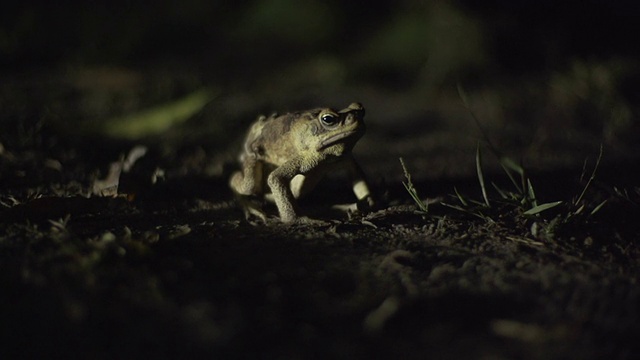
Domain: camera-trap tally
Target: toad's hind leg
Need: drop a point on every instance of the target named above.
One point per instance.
(248, 187)
(249, 180)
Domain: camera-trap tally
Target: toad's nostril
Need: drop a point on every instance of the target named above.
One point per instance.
(350, 119)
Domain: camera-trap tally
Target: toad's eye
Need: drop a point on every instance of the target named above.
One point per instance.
(329, 119)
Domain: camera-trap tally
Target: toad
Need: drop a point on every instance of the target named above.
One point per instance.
(286, 156)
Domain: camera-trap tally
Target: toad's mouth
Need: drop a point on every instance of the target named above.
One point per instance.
(332, 140)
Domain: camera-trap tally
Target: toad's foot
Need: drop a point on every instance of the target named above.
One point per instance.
(304, 220)
(365, 205)
(347, 208)
(252, 207)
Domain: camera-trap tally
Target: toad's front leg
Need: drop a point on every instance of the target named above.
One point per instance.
(360, 186)
(279, 181)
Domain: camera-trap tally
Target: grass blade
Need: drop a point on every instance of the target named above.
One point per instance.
(460, 197)
(477, 214)
(593, 176)
(597, 208)
(542, 207)
(481, 176)
(509, 166)
(462, 93)
(512, 165)
(412, 190)
(500, 191)
(532, 194)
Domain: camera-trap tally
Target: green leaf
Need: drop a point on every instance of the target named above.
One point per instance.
(159, 119)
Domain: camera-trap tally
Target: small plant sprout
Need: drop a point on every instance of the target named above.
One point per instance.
(577, 201)
(408, 185)
(524, 194)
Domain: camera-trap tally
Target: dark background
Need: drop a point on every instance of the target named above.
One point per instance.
(515, 37)
(548, 80)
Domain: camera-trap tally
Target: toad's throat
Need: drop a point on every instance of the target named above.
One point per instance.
(332, 140)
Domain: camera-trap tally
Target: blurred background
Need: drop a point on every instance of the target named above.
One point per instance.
(548, 81)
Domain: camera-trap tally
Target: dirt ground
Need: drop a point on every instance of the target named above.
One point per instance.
(173, 269)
